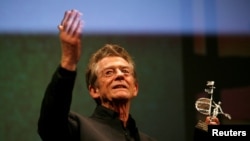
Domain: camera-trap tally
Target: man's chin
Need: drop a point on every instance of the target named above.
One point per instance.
(121, 96)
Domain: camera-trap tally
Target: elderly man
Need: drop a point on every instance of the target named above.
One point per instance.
(111, 81)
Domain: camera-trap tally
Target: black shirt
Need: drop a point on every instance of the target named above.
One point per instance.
(57, 122)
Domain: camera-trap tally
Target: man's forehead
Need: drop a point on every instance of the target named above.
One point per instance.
(110, 62)
(106, 61)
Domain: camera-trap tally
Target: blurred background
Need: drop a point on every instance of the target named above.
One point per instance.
(178, 45)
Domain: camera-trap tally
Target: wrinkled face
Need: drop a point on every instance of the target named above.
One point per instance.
(115, 80)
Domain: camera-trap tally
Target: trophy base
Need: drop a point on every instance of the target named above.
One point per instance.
(202, 125)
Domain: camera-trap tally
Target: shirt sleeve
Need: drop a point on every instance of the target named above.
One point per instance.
(53, 120)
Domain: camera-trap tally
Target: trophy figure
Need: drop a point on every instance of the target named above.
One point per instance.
(207, 106)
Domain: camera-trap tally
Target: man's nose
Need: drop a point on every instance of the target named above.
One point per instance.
(119, 72)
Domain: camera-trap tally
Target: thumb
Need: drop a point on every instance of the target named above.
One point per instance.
(60, 27)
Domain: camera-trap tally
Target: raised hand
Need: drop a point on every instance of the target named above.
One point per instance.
(70, 31)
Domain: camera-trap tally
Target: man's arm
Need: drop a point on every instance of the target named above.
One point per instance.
(53, 121)
(70, 36)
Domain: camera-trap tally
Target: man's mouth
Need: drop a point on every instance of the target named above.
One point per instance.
(119, 86)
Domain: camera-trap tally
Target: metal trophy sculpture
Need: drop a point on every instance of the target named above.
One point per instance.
(207, 106)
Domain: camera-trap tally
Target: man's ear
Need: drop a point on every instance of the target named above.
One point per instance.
(136, 88)
(94, 92)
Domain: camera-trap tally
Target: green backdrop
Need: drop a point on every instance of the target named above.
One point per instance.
(28, 62)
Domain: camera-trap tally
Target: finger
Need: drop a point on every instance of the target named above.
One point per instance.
(60, 27)
(78, 28)
(78, 31)
(212, 123)
(68, 20)
(75, 21)
(65, 18)
(208, 120)
(216, 120)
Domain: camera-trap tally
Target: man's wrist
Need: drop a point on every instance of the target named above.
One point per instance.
(69, 67)
(65, 72)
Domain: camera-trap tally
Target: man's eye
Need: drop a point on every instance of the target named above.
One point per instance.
(125, 71)
(109, 72)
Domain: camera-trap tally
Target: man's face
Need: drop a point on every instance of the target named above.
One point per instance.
(115, 80)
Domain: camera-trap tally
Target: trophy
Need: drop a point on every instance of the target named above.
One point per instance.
(208, 107)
